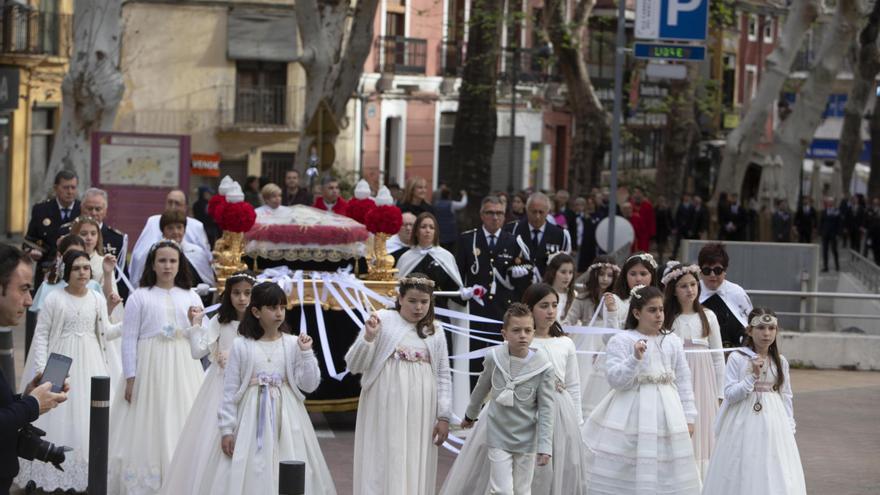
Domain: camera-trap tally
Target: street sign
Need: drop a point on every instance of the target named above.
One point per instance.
(669, 52)
(682, 20)
(666, 71)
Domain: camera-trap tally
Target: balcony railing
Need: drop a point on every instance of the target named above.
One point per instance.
(259, 107)
(399, 55)
(32, 32)
(450, 55)
(531, 65)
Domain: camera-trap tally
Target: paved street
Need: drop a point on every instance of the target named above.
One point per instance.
(838, 432)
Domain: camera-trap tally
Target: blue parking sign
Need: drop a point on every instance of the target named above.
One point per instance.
(682, 20)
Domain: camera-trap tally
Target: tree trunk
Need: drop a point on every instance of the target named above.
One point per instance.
(336, 43)
(91, 91)
(473, 140)
(874, 177)
(865, 71)
(742, 141)
(796, 132)
(591, 122)
(683, 133)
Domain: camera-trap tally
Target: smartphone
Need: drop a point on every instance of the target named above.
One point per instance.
(56, 371)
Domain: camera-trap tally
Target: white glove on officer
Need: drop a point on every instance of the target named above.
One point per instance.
(466, 293)
(519, 271)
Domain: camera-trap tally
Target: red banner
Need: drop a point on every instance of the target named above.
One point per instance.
(205, 165)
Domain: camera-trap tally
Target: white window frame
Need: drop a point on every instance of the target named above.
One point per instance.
(752, 27)
(768, 24)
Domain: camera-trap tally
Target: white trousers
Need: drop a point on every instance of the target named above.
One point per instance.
(510, 473)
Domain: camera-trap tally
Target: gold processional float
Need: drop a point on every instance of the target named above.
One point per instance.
(301, 236)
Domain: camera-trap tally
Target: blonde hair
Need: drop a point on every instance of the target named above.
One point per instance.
(410, 190)
(76, 227)
(269, 190)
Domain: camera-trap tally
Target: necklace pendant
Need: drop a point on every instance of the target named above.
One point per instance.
(757, 407)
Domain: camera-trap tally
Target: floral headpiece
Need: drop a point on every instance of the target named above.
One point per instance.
(676, 273)
(646, 257)
(764, 319)
(82, 219)
(634, 292)
(594, 266)
(246, 276)
(426, 282)
(165, 243)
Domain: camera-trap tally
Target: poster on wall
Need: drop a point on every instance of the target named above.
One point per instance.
(138, 171)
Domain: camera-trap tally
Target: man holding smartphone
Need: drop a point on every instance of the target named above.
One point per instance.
(16, 411)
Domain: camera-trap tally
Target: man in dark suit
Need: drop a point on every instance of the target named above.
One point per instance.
(489, 256)
(782, 221)
(43, 232)
(582, 231)
(684, 223)
(293, 193)
(701, 219)
(805, 220)
(829, 229)
(17, 411)
(539, 238)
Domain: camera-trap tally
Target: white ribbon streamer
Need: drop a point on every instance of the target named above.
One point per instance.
(322, 333)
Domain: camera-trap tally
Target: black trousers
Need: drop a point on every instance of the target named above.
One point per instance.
(830, 240)
(5, 484)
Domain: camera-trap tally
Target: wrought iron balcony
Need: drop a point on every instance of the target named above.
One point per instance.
(259, 108)
(32, 32)
(399, 55)
(529, 65)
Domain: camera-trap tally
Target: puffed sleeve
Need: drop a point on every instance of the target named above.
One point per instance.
(444, 377)
(717, 357)
(621, 365)
(683, 381)
(228, 413)
(573, 378)
(203, 338)
(739, 380)
(787, 395)
(306, 370)
(131, 327)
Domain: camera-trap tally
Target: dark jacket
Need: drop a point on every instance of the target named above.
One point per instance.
(476, 262)
(805, 221)
(448, 224)
(15, 413)
(781, 226)
(302, 197)
(829, 223)
(552, 242)
(44, 229)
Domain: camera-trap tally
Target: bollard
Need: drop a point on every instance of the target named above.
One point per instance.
(7, 358)
(291, 479)
(99, 435)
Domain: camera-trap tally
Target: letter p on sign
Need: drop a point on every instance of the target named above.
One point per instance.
(676, 6)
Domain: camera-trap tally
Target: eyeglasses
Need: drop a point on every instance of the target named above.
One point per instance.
(706, 270)
(493, 213)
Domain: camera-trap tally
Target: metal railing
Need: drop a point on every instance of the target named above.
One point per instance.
(399, 55)
(529, 65)
(32, 32)
(865, 270)
(259, 106)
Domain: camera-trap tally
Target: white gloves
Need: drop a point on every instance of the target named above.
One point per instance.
(519, 271)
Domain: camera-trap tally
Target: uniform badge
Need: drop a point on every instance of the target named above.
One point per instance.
(47, 222)
(476, 251)
(109, 249)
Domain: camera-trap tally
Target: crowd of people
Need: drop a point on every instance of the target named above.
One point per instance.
(586, 376)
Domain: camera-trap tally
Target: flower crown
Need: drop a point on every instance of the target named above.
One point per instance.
(417, 281)
(646, 257)
(614, 268)
(165, 243)
(245, 276)
(764, 319)
(676, 273)
(82, 219)
(634, 292)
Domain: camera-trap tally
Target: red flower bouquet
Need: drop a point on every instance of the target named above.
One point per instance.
(357, 209)
(384, 220)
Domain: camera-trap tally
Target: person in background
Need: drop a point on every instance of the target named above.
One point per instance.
(446, 209)
(782, 222)
(152, 233)
(663, 222)
(583, 232)
(293, 194)
(541, 238)
(727, 300)
(829, 229)
(200, 213)
(517, 210)
(330, 199)
(873, 221)
(562, 214)
(396, 192)
(684, 224)
(647, 225)
(415, 197)
(400, 242)
(271, 195)
(735, 220)
(853, 216)
(252, 191)
(805, 220)
(701, 219)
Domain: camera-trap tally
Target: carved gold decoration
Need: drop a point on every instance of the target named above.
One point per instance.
(380, 264)
(227, 257)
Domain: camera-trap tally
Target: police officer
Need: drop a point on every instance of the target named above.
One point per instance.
(489, 256)
(94, 204)
(538, 239)
(44, 230)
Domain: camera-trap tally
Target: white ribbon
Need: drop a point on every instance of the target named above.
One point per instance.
(322, 333)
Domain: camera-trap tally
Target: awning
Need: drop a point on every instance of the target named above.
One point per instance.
(261, 34)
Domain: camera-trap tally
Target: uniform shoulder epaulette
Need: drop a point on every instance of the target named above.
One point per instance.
(65, 225)
(117, 231)
(471, 231)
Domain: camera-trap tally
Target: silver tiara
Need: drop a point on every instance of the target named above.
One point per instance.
(764, 319)
(165, 243)
(245, 276)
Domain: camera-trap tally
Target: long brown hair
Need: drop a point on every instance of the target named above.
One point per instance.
(410, 190)
(421, 283)
(77, 224)
(672, 308)
(590, 279)
(533, 296)
(414, 240)
(550, 276)
(774, 349)
(638, 301)
(621, 288)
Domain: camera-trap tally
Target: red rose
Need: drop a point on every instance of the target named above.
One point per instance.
(384, 220)
(357, 209)
(237, 217)
(215, 207)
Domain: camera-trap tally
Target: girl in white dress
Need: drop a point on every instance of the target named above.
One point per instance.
(596, 281)
(698, 328)
(639, 435)
(162, 378)
(565, 474)
(405, 401)
(755, 450)
(639, 269)
(560, 276)
(198, 457)
(73, 322)
(262, 418)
